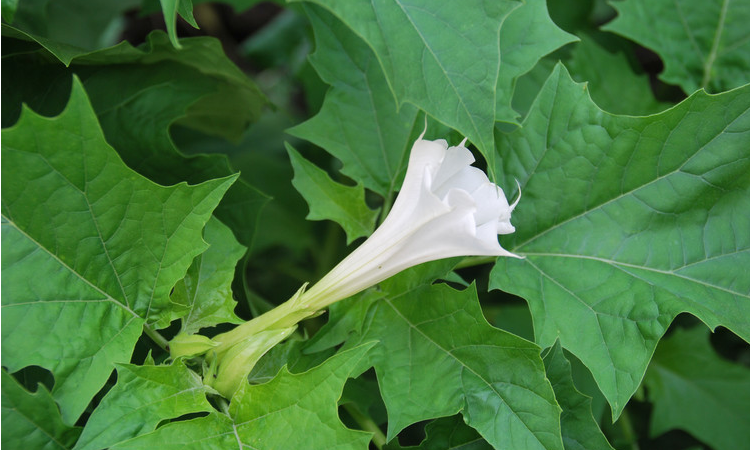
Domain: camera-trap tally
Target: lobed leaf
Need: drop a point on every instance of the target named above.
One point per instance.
(142, 398)
(140, 93)
(32, 420)
(443, 58)
(61, 26)
(330, 200)
(626, 222)
(579, 428)
(447, 433)
(90, 249)
(360, 122)
(206, 290)
(268, 416)
(695, 390)
(704, 44)
(612, 83)
(426, 370)
(525, 37)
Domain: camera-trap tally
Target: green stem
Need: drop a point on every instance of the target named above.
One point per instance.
(626, 426)
(367, 424)
(156, 337)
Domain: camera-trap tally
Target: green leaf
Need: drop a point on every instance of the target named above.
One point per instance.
(268, 416)
(69, 27)
(234, 102)
(143, 397)
(90, 249)
(62, 51)
(198, 87)
(32, 420)
(330, 200)
(427, 368)
(170, 9)
(695, 390)
(626, 222)
(9, 8)
(579, 428)
(344, 318)
(444, 58)
(450, 433)
(613, 84)
(360, 123)
(140, 93)
(206, 290)
(210, 92)
(525, 37)
(703, 44)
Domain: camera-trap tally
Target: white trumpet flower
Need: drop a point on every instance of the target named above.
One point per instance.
(445, 208)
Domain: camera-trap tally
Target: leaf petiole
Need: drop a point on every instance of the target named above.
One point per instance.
(156, 337)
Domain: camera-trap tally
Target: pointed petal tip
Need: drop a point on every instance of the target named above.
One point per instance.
(421, 136)
(513, 205)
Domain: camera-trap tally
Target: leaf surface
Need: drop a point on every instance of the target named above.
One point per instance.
(143, 397)
(442, 58)
(426, 369)
(9, 8)
(451, 433)
(90, 249)
(703, 44)
(328, 199)
(206, 290)
(139, 97)
(269, 416)
(525, 37)
(613, 84)
(626, 222)
(170, 9)
(695, 390)
(67, 28)
(32, 420)
(360, 122)
(579, 429)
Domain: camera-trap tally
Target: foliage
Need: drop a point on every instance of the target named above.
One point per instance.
(154, 190)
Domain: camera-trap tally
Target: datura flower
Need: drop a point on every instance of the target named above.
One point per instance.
(446, 208)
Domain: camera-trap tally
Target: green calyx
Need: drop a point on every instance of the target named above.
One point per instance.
(235, 365)
(232, 355)
(190, 345)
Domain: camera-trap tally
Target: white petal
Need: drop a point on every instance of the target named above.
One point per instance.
(456, 159)
(445, 208)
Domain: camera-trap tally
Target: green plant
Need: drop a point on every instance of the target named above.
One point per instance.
(132, 244)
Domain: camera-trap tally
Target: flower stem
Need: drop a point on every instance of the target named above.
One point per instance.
(626, 427)
(367, 424)
(155, 336)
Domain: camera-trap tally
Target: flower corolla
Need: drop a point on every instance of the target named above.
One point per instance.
(446, 208)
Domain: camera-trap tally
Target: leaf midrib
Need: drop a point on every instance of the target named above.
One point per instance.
(714, 45)
(517, 247)
(107, 297)
(645, 268)
(450, 353)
